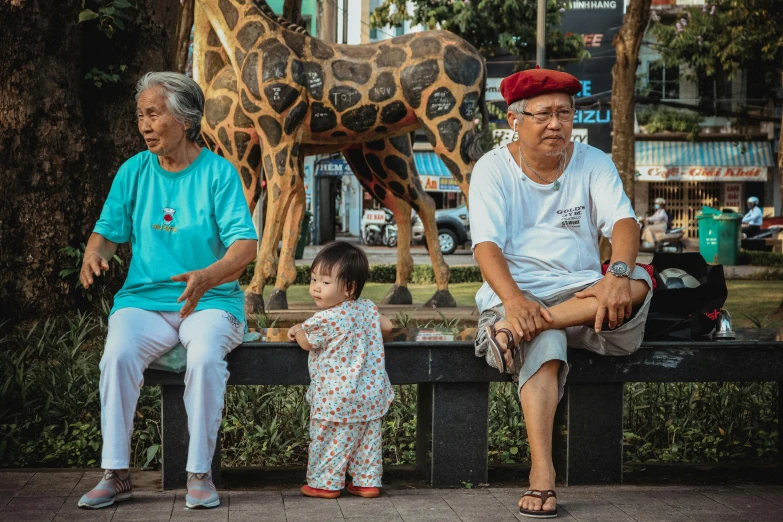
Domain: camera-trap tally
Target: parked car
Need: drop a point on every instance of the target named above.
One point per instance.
(453, 229)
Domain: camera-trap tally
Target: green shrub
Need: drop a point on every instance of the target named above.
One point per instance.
(661, 119)
(757, 258)
(49, 402)
(387, 274)
(49, 412)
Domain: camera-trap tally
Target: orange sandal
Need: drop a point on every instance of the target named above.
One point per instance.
(363, 492)
(319, 493)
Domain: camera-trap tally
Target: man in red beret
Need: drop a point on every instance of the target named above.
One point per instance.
(536, 208)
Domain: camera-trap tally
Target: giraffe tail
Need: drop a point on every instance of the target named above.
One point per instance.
(476, 150)
(291, 25)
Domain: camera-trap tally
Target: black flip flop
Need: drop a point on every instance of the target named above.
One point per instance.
(494, 350)
(544, 495)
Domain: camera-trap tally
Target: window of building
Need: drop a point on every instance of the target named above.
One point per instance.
(664, 82)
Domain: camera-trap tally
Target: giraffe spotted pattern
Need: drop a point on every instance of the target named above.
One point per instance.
(275, 94)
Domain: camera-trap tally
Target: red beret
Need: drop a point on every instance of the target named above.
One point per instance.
(535, 82)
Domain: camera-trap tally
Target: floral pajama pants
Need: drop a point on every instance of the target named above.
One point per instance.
(337, 447)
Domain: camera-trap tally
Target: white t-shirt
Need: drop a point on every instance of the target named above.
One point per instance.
(548, 237)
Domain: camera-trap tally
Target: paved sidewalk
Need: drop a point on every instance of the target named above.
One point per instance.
(46, 496)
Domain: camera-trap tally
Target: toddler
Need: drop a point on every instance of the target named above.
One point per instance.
(349, 390)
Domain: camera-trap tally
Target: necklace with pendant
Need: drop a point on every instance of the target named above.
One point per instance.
(560, 167)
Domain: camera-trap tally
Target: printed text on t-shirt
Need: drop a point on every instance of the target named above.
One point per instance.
(570, 217)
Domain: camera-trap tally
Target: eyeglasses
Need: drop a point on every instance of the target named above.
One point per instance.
(564, 115)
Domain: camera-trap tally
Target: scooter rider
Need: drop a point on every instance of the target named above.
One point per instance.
(752, 220)
(655, 225)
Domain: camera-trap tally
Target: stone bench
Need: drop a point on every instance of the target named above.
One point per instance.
(453, 396)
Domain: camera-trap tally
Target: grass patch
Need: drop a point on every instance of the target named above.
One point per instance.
(464, 293)
(758, 299)
(746, 299)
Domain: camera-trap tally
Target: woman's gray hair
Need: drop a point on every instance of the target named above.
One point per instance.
(518, 107)
(184, 98)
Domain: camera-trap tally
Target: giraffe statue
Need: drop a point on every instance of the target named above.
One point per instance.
(274, 94)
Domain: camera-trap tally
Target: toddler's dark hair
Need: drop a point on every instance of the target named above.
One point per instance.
(353, 268)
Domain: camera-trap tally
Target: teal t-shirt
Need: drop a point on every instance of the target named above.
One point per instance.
(176, 222)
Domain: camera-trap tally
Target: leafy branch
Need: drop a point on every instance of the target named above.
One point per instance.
(110, 18)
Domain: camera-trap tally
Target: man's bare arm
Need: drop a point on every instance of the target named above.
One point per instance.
(526, 317)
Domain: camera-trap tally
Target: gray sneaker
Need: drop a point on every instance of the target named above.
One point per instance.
(201, 491)
(109, 490)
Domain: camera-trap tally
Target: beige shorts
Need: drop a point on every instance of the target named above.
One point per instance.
(552, 344)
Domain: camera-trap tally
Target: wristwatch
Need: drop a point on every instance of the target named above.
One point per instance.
(619, 269)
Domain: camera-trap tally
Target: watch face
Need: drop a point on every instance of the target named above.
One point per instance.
(619, 268)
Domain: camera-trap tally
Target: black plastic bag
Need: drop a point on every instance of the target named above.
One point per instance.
(686, 313)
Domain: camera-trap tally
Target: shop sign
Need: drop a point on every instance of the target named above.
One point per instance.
(448, 185)
(732, 195)
(659, 173)
(333, 168)
(374, 216)
(439, 184)
(506, 136)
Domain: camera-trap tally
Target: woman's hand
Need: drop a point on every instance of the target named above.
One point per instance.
(198, 282)
(96, 258)
(93, 264)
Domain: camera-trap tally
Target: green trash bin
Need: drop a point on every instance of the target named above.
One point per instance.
(728, 225)
(708, 234)
(303, 236)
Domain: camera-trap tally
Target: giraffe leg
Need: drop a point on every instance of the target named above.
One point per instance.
(393, 177)
(453, 143)
(230, 133)
(399, 293)
(280, 184)
(286, 272)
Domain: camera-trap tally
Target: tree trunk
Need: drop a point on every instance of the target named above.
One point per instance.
(626, 44)
(779, 311)
(62, 138)
(292, 11)
(184, 26)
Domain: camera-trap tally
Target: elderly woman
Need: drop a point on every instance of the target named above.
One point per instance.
(182, 209)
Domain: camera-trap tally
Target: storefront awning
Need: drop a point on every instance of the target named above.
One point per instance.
(703, 161)
(433, 173)
(429, 164)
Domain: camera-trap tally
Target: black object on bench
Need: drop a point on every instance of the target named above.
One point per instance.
(453, 397)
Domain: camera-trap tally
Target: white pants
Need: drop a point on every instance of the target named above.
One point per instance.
(136, 338)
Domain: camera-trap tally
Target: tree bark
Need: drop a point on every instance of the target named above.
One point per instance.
(626, 44)
(292, 11)
(779, 311)
(62, 139)
(184, 26)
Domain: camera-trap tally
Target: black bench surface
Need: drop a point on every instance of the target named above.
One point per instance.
(453, 395)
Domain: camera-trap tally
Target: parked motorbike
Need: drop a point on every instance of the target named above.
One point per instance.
(390, 230)
(379, 228)
(670, 242)
(767, 233)
(372, 234)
